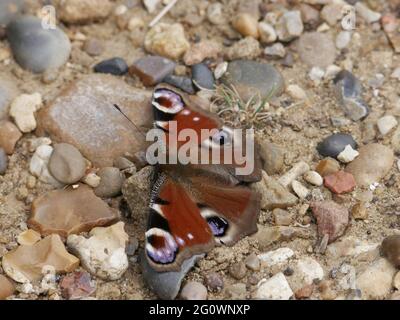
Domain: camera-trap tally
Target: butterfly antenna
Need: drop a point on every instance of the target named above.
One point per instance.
(131, 122)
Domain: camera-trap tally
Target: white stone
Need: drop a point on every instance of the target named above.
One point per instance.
(38, 165)
(289, 25)
(349, 279)
(34, 143)
(313, 178)
(103, 254)
(396, 73)
(323, 27)
(297, 170)
(306, 271)
(300, 190)
(220, 69)
(396, 281)
(151, 5)
(275, 288)
(376, 281)
(92, 180)
(276, 50)
(296, 92)
(23, 109)
(349, 247)
(120, 10)
(267, 32)
(343, 39)
(366, 13)
(277, 256)
(332, 71)
(348, 154)
(386, 124)
(316, 74)
(135, 23)
(214, 13)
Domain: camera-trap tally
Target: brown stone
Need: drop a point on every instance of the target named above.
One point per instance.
(327, 166)
(304, 292)
(359, 211)
(7, 288)
(25, 263)
(70, 211)
(202, 50)
(152, 69)
(81, 11)
(28, 237)
(332, 219)
(340, 182)
(391, 249)
(84, 116)
(77, 285)
(9, 136)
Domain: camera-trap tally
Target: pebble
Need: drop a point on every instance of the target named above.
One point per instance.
(38, 165)
(391, 249)
(373, 163)
(35, 48)
(348, 154)
(296, 92)
(28, 237)
(332, 71)
(23, 109)
(395, 141)
(166, 285)
(327, 166)
(9, 136)
(181, 82)
(25, 263)
(220, 69)
(273, 157)
(48, 212)
(194, 291)
(386, 124)
(282, 217)
(267, 33)
(151, 5)
(396, 281)
(304, 292)
(332, 219)
(152, 69)
(251, 77)
(8, 92)
(236, 291)
(7, 288)
(289, 26)
(309, 14)
(252, 262)
(98, 131)
(167, 40)
(382, 272)
(396, 74)
(332, 13)
(202, 76)
(66, 163)
(77, 285)
(348, 91)
(306, 271)
(273, 194)
(275, 288)
(93, 47)
(3, 161)
(359, 211)
(334, 144)
(214, 281)
(110, 183)
(313, 178)
(275, 257)
(299, 189)
(296, 171)
(246, 25)
(324, 56)
(215, 13)
(91, 179)
(277, 50)
(340, 182)
(198, 52)
(247, 48)
(350, 247)
(316, 74)
(103, 253)
(366, 13)
(83, 11)
(115, 66)
(343, 39)
(237, 270)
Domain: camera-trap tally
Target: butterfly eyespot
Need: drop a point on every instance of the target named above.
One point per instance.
(222, 138)
(167, 101)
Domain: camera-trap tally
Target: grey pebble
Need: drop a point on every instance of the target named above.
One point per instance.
(333, 145)
(3, 161)
(110, 183)
(181, 82)
(202, 76)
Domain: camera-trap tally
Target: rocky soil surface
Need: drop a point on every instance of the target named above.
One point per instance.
(321, 90)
